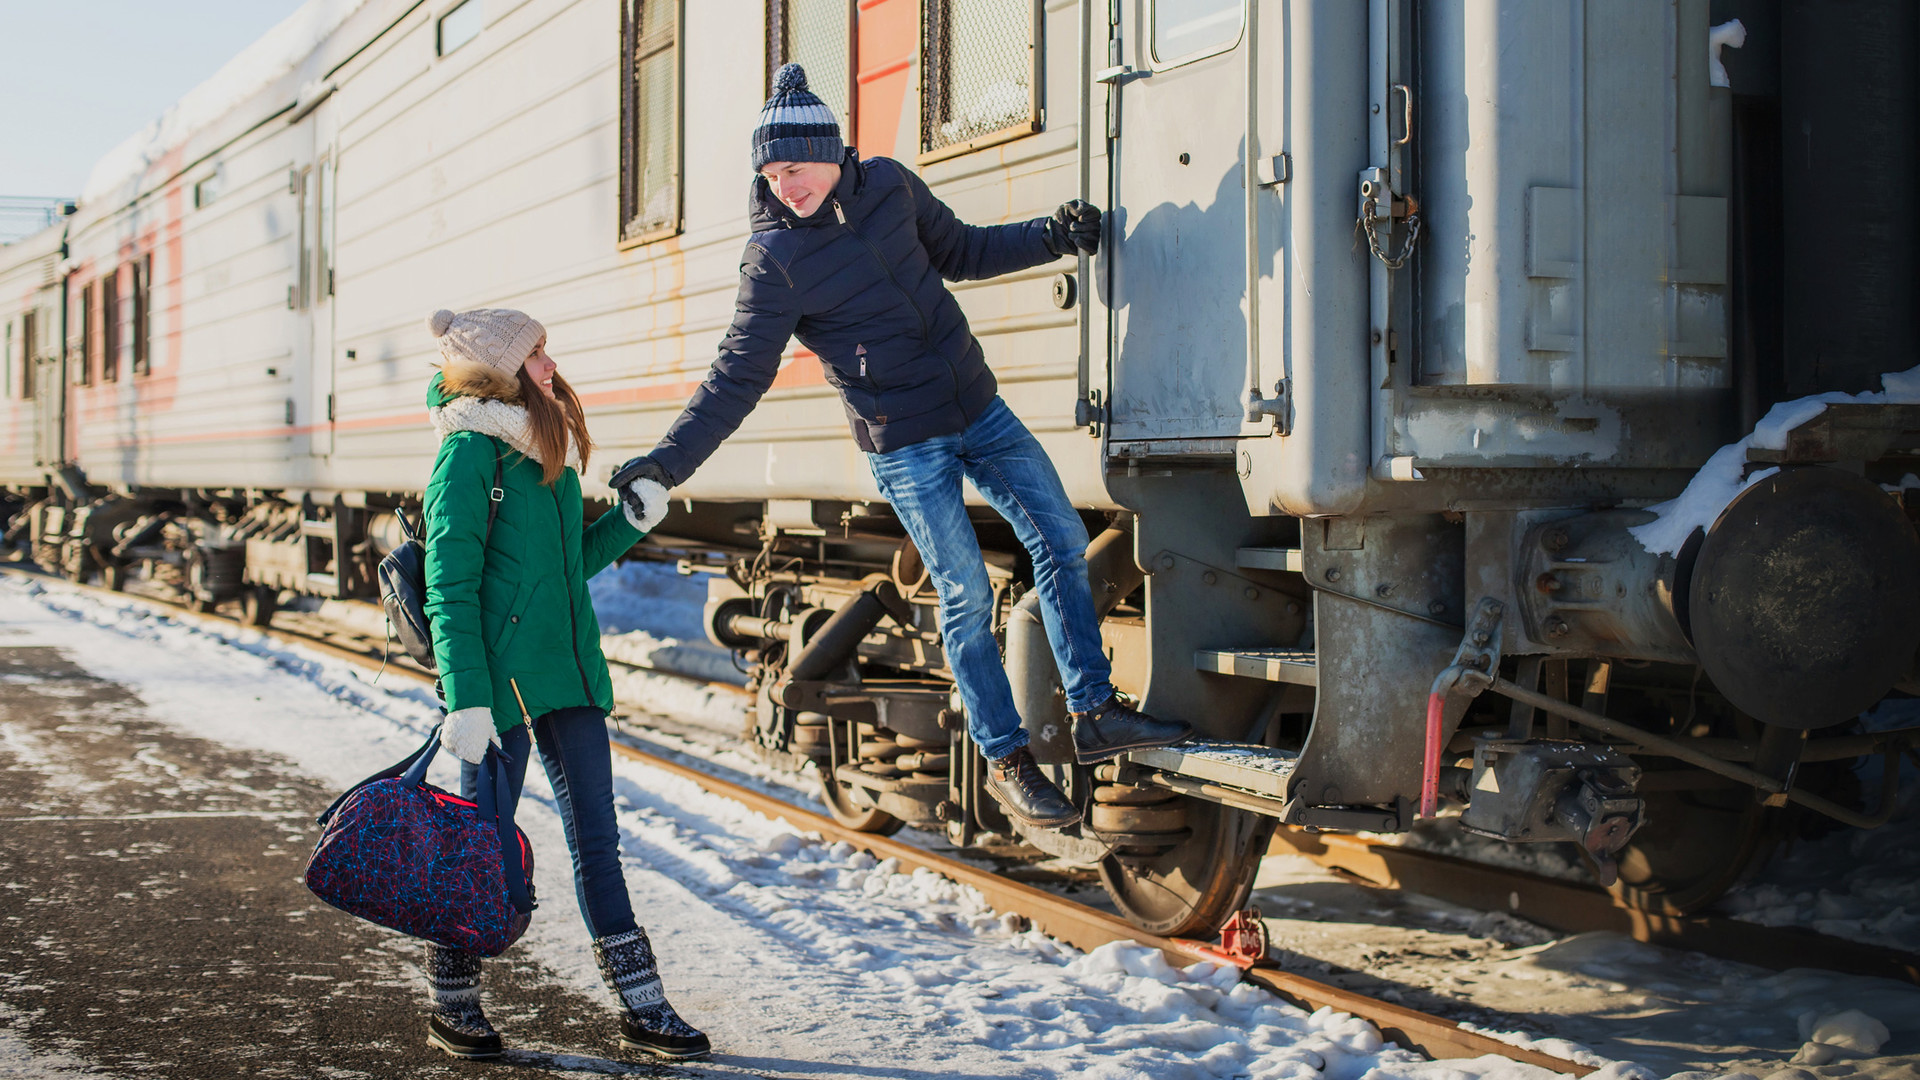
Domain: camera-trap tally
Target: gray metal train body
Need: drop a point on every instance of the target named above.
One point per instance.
(1407, 315)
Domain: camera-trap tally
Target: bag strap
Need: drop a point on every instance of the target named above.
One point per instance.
(420, 758)
(496, 799)
(496, 804)
(494, 496)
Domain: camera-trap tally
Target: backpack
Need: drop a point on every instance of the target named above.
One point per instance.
(403, 582)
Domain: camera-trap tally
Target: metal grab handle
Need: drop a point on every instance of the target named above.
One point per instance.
(1406, 107)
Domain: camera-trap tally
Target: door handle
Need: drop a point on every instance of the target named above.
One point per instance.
(1121, 73)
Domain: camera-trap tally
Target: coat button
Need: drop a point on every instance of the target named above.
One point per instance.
(513, 618)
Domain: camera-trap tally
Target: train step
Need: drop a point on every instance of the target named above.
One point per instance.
(1270, 558)
(1297, 666)
(1248, 767)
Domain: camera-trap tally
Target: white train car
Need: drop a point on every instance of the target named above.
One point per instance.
(1408, 314)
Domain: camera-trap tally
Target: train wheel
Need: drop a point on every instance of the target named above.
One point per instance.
(1191, 889)
(840, 802)
(258, 605)
(1696, 847)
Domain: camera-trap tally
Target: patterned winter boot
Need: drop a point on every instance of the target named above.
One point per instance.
(647, 1022)
(455, 1022)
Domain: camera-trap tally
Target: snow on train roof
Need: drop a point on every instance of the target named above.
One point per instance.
(277, 52)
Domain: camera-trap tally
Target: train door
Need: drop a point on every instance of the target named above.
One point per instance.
(49, 385)
(1178, 267)
(320, 259)
(311, 290)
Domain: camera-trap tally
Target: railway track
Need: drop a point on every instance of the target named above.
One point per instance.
(1557, 904)
(1574, 908)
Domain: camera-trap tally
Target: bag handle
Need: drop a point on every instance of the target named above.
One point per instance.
(405, 766)
(496, 802)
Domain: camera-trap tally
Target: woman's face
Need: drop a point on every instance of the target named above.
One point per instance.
(540, 368)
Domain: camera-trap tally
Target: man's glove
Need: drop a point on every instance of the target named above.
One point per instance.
(642, 484)
(1074, 229)
(466, 733)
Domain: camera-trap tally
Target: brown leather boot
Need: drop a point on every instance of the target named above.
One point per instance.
(1026, 793)
(1106, 731)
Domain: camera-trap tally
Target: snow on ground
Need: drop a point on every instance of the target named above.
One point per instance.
(1587, 997)
(800, 957)
(650, 616)
(1862, 884)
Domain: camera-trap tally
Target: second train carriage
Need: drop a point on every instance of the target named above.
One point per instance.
(1407, 312)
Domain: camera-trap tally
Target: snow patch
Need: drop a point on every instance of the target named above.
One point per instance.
(1728, 35)
(1721, 479)
(277, 52)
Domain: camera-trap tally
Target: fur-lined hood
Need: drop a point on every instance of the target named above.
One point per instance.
(468, 396)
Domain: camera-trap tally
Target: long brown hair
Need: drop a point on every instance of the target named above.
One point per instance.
(551, 421)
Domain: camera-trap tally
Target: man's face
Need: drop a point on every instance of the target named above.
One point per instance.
(804, 186)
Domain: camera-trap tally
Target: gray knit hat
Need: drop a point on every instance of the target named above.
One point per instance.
(500, 338)
(795, 125)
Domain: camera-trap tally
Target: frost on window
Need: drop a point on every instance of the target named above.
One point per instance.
(977, 59)
(649, 118)
(817, 35)
(1190, 29)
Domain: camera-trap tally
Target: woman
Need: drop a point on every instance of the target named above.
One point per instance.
(518, 645)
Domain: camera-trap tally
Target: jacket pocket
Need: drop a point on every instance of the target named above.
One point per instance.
(509, 627)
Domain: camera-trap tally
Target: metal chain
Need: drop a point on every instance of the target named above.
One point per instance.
(1367, 220)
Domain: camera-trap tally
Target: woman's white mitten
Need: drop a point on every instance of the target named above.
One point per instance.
(653, 497)
(467, 733)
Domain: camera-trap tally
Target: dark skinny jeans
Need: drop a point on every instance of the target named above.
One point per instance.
(573, 747)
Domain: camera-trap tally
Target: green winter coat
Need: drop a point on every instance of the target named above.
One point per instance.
(511, 608)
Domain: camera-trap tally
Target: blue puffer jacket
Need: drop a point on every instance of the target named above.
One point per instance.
(859, 283)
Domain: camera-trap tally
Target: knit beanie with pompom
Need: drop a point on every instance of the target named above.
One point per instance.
(795, 125)
(500, 338)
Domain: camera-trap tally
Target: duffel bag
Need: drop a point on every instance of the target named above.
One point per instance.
(397, 851)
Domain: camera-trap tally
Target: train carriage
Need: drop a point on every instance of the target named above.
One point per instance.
(1411, 318)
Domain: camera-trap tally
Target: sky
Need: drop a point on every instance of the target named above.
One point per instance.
(82, 75)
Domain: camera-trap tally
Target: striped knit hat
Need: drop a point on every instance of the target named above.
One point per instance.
(795, 125)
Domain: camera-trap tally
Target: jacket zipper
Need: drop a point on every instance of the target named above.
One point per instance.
(573, 620)
(926, 335)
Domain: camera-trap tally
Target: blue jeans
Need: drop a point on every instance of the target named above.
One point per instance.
(1008, 467)
(573, 747)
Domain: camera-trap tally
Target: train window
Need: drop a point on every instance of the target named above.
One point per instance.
(817, 34)
(979, 74)
(110, 327)
(29, 352)
(208, 188)
(649, 120)
(459, 26)
(1186, 30)
(143, 314)
(82, 348)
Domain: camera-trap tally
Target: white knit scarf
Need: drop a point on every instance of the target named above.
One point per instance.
(490, 416)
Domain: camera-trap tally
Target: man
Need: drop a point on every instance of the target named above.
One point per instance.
(848, 256)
